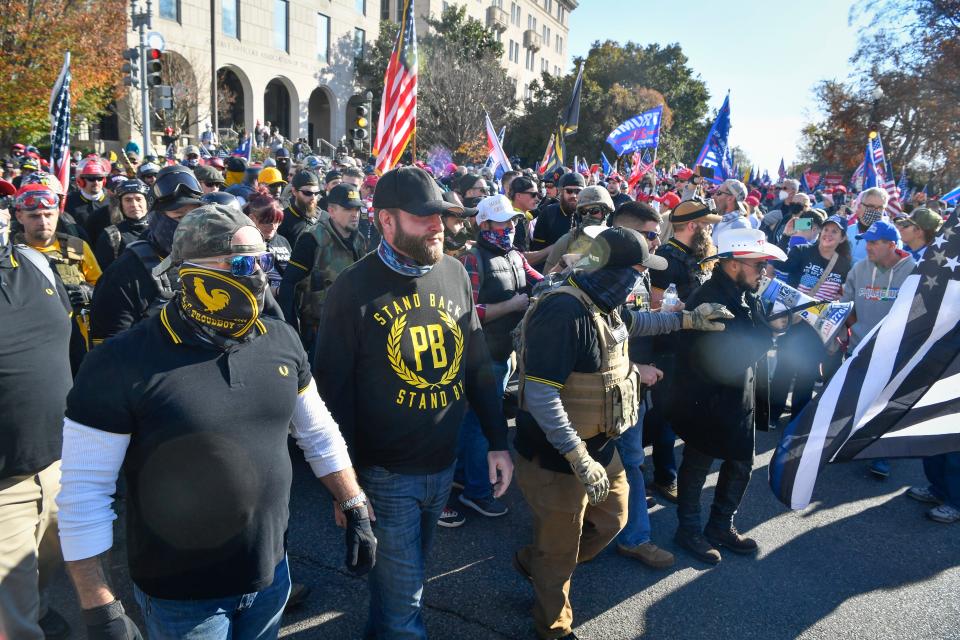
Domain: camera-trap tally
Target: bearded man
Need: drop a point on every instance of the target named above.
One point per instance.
(400, 352)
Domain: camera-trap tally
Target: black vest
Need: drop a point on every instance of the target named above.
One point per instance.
(501, 277)
(674, 251)
(166, 288)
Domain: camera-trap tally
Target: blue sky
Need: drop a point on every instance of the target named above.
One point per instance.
(768, 56)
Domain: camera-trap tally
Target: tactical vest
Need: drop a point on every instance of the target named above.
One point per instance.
(333, 254)
(501, 277)
(68, 262)
(165, 286)
(606, 401)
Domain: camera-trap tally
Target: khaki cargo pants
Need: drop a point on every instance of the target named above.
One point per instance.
(566, 531)
(29, 549)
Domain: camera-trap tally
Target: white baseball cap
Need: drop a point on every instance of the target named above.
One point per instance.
(747, 243)
(496, 208)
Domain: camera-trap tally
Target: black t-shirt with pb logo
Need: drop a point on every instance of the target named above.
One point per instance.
(397, 359)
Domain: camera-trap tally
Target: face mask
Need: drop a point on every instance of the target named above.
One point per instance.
(161, 229)
(502, 238)
(220, 304)
(193, 163)
(870, 215)
(472, 201)
(839, 199)
(782, 195)
(609, 288)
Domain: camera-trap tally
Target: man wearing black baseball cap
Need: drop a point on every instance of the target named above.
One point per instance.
(400, 351)
(555, 220)
(322, 252)
(304, 209)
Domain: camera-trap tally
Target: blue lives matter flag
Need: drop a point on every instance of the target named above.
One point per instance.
(714, 153)
(639, 132)
(898, 395)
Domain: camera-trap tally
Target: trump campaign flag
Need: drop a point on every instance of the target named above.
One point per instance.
(898, 395)
(714, 153)
(639, 132)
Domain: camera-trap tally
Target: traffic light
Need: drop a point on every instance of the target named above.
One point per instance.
(361, 122)
(154, 67)
(162, 97)
(131, 68)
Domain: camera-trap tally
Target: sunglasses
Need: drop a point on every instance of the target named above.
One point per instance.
(535, 194)
(33, 200)
(246, 265)
(94, 178)
(905, 223)
(571, 191)
(309, 194)
(211, 185)
(649, 235)
(593, 212)
(756, 266)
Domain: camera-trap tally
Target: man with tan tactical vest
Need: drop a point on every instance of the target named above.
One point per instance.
(38, 210)
(579, 390)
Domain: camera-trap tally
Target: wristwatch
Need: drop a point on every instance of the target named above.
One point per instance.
(352, 503)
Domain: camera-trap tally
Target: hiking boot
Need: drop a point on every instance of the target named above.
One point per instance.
(731, 539)
(649, 554)
(668, 491)
(451, 518)
(489, 506)
(700, 547)
(944, 513)
(519, 568)
(298, 595)
(923, 494)
(880, 468)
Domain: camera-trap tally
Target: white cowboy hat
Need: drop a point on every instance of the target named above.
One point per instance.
(747, 243)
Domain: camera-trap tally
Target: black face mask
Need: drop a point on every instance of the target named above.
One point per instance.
(472, 201)
(161, 230)
(221, 305)
(839, 199)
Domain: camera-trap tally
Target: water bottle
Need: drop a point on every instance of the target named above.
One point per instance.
(670, 298)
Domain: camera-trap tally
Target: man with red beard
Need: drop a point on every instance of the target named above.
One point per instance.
(400, 352)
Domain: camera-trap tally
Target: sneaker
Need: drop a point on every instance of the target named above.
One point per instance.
(519, 568)
(54, 626)
(451, 518)
(944, 513)
(298, 595)
(731, 539)
(923, 494)
(649, 554)
(490, 507)
(880, 468)
(700, 547)
(668, 491)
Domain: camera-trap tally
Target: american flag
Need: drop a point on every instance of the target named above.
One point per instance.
(898, 395)
(640, 166)
(883, 175)
(60, 125)
(398, 108)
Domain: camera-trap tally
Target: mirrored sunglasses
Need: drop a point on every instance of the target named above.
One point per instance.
(246, 265)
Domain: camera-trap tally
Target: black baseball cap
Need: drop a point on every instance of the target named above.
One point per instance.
(331, 176)
(452, 198)
(619, 247)
(304, 178)
(412, 190)
(345, 195)
(572, 179)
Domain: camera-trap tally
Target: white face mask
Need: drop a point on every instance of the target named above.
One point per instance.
(783, 194)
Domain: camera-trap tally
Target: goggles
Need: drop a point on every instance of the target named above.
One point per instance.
(33, 200)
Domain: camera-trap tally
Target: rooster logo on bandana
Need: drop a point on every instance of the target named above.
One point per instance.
(214, 301)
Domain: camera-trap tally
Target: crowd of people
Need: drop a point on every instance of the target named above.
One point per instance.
(169, 325)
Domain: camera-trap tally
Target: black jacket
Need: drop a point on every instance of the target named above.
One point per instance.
(713, 403)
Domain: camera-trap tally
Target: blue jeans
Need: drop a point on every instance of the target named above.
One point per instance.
(251, 616)
(407, 508)
(661, 436)
(472, 447)
(630, 446)
(943, 472)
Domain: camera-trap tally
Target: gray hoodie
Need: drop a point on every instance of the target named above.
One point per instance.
(872, 290)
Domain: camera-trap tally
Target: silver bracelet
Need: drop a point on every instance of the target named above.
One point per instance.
(354, 502)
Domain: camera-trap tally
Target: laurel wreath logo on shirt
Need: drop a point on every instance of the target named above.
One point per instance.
(405, 373)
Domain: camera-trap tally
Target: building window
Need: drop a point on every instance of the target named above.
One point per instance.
(559, 45)
(530, 60)
(548, 6)
(361, 7)
(515, 13)
(544, 65)
(323, 38)
(384, 9)
(229, 10)
(359, 42)
(561, 14)
(556, 70)
(546, 36)
(531, 22)
(281, 20)
(170, 9)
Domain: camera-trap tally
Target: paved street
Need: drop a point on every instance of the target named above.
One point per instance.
(861, 562)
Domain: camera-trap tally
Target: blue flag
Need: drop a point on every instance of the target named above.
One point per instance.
(244, 149)
(714, 153)
(869, 168)
(605, 165)
(639, 132)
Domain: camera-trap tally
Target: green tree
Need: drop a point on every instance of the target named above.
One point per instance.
(459, 78)
(619, 81)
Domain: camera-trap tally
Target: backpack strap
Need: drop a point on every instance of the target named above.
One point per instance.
(38, 260)
(114, 238)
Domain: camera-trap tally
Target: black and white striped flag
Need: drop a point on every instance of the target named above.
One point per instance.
(898, 396)
(60, 125)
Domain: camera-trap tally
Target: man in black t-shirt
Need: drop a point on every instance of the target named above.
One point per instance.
(203, 447)
(400, 351)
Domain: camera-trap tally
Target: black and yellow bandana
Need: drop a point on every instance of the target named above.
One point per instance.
(220, 302)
